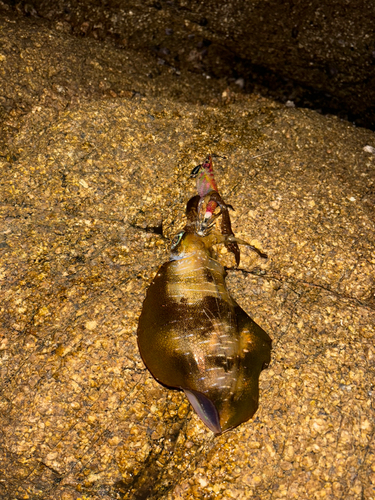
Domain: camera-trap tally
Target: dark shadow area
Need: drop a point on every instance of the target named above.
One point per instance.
(268, 83)
(303, 56)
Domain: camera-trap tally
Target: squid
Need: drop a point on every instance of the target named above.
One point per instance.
(192, 335)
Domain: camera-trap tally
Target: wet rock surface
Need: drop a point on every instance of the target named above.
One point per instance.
(85, 181)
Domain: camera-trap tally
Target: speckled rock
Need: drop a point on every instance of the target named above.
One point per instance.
(316, 53)
(82, 189)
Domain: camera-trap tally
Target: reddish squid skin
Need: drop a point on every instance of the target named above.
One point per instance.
(193, 336)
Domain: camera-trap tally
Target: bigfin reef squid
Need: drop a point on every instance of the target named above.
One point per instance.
(192, 335)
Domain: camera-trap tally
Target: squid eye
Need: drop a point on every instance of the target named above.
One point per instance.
(176, 240)
(195, 171)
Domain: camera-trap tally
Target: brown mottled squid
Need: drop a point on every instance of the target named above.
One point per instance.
(192, 335)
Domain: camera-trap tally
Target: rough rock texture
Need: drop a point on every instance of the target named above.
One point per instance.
(316, 53)
(83, 187)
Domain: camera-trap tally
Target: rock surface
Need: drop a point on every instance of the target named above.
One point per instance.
(86, 179)
(318, 54)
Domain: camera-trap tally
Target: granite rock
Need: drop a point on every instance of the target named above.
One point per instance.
(83, 187)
